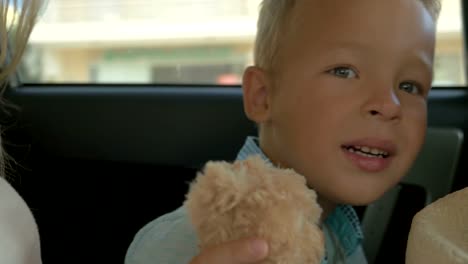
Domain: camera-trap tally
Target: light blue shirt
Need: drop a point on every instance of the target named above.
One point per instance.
(170, 239)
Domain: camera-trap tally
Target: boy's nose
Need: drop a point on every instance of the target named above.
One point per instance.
(384, 105)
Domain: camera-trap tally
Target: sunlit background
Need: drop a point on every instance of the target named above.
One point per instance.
(174, 42)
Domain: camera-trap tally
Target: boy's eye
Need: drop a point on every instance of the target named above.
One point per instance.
(410, 87)
(343, 72)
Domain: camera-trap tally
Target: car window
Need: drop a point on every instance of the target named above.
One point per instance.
(174, 42)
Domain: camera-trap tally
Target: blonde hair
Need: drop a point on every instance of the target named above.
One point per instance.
(17, 19)
(273, 18)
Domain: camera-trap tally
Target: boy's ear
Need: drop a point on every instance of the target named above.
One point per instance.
(256, 94)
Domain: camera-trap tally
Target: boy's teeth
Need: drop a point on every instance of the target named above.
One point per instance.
(367, 151)
(375, 151)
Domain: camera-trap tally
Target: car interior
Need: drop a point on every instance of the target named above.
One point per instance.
(95, 162)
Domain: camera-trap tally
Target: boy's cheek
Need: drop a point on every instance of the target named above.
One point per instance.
(414, 117)
(417, 104)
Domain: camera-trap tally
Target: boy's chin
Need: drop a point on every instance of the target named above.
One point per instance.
(362, 198)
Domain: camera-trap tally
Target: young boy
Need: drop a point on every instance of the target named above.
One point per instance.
(339, 91)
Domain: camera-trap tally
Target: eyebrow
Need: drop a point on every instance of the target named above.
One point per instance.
(419, 57)
(423, 60)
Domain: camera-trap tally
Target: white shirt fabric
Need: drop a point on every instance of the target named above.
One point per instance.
(19, 236)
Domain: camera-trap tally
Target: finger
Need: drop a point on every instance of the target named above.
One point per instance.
(243, 251)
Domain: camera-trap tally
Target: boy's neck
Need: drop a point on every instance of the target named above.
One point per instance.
(327, 207)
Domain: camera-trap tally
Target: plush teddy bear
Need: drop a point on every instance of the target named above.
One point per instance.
(253, 198)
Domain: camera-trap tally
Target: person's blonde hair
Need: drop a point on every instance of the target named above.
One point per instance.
(17, 19)
(273, 18)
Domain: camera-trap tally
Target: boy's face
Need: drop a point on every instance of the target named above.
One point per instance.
(353, 79)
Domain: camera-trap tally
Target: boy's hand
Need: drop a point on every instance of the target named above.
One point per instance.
(242, 251)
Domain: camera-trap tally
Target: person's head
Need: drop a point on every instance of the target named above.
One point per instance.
(17, 19)
(333, 79)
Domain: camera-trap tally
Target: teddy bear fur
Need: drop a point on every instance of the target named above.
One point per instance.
(247, 198)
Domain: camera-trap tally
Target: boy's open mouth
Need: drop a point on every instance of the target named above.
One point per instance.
(365, 151)
(370, 155)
